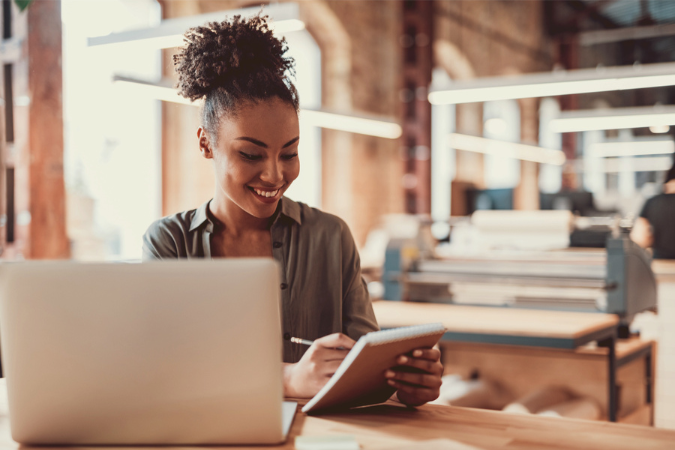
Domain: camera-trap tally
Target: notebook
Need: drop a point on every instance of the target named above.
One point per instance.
(360, 378)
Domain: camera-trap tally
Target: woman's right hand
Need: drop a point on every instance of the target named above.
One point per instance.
(306, 377)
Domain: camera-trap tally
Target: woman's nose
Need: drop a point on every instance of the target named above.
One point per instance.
(272, 173)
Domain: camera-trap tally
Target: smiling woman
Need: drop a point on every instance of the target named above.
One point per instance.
(251, 133)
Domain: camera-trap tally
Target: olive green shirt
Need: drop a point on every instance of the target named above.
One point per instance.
(322, 291)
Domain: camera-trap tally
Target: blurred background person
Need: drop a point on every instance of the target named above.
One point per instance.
(655, 227)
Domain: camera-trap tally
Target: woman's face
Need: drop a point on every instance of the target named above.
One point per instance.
(256, 155)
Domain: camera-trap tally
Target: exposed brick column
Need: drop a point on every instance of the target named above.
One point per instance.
(526, 194)
(34, 205)
(416, 115)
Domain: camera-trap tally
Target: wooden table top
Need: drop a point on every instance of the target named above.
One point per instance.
(395, 427)
(494, 320)
(664, 269)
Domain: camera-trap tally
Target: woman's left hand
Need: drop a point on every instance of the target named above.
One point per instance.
(416, 389)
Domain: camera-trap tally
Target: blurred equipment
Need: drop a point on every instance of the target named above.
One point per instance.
(482, 199)
(472, 393)
(539, 400)
(524, 230)
(618, 280)
(555, 402)
(579, 202)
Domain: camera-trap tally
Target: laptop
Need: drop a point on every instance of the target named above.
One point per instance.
(168, 352)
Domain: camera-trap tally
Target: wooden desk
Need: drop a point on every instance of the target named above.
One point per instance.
(664, 269)
(664, 331)
(500, 325)
(512, 326)
(388, 427)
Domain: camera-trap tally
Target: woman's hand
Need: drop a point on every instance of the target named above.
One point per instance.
(422, 386)
(306, 377)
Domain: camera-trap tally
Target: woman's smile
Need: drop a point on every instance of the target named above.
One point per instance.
(266, 195)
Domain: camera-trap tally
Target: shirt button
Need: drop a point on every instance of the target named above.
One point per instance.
(277, 244)
(284, 285)
(287, 336)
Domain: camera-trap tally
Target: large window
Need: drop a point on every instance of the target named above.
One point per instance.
(112, 141)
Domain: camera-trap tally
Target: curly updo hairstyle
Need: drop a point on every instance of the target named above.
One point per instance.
(230, 62)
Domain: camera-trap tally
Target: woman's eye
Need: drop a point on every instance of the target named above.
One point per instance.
(289, 157)
(250, 157)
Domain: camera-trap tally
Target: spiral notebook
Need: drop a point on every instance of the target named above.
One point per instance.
(360, 380)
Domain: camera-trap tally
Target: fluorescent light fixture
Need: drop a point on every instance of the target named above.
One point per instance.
(151, 90)
(556, 83)
(509, 149)
(169, 33)
(632, 148)
(613, 119)
(588, 38)
(650, 164)
(288, 26)
(659, 129)
(368, 125)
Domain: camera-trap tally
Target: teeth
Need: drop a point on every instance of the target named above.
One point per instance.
(266, 193)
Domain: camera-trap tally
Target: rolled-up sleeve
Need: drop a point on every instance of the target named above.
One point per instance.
(358, 317)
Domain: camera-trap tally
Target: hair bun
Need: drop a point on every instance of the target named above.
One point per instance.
(232, 54)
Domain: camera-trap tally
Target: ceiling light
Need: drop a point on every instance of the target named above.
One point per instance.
(556, 83)
(632, 148)
(169, 33)
(150, 90)
(354, 124)
(613, 119)
(650, 164)
(368, 125)
(508, 149)
(659, 129)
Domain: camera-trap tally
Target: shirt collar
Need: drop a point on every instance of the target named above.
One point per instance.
(289, 208)
(200, 216)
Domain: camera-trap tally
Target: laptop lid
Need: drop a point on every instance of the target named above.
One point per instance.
(169, 352)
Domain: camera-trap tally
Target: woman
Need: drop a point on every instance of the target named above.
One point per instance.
(250, 131)
(656, 225)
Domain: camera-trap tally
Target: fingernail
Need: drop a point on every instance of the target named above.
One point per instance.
(392, 382)
(389, 374)
(417, 353)
(403, 359)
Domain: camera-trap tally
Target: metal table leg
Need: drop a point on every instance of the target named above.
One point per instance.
(612, 404)
(648, 374)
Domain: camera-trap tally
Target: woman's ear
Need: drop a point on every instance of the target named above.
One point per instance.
(204, 143)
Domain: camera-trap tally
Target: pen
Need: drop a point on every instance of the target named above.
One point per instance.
(296, 340)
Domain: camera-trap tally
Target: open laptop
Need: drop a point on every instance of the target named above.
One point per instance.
(170, 352)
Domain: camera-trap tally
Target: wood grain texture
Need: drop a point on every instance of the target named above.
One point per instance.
(502, 321)
(390, 425)
(48, 238)
(664, 413)
(664, 269)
